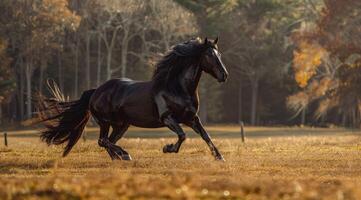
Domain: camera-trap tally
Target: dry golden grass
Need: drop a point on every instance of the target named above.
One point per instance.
(270, 165)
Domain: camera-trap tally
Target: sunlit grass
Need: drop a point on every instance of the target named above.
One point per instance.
(323, 165)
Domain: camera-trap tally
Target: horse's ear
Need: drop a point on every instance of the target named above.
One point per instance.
(216, 40)
(206, 41)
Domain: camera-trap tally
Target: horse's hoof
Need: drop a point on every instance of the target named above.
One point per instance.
(220, 158)
(168, 148)
(112, 155)
(126, 157)
(165, 149)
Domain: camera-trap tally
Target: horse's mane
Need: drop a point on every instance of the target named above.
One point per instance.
(180, 56)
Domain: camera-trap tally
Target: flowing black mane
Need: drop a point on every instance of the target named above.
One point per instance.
(180, 56)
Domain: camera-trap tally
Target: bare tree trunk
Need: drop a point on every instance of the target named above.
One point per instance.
(303, 116)
(109, 64)
(124, 52)
(41, 75)
(354, 118)
(124, 58)
(109, 47)
(254, 102)
(87, 60)
(99, 61)
(1, 114)
(76, 72)
(60, 72)
(344, 120)
(166, 42)
(28, 90)
(21, 92)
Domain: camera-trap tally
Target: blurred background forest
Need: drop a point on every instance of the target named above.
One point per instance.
(290, 61)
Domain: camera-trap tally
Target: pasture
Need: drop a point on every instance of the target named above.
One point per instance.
(274, 163)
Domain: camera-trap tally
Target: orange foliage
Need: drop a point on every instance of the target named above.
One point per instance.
(6, 74)
(59, 12)
(306, 60)
(53, 16)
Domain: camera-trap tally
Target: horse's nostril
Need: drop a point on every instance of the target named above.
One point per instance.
(225, 76)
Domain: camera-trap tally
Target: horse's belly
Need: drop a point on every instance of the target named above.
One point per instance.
(142, 113)
(146, 124)
(142, 119)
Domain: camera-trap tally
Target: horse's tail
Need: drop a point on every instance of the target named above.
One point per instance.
(64, 120)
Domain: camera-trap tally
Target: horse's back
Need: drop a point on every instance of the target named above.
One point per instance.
(104, 95)
(120, 100)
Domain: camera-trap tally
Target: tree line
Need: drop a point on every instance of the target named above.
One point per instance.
(289, 62)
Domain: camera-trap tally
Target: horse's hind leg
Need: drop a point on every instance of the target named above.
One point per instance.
(117, 133)
(103, 140)
(114, 151)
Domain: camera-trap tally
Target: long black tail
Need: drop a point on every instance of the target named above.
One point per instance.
(64, 120)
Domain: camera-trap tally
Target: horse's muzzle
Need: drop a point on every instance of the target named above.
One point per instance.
(223, 77)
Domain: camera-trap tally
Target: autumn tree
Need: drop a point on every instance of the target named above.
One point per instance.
(327, 63)
(257, 43)
(33, 29)
(82, 43)
(7, 79)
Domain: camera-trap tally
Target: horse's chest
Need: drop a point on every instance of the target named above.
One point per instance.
(183, 109)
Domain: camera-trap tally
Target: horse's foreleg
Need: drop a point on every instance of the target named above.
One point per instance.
(175, 127)
(197, 126)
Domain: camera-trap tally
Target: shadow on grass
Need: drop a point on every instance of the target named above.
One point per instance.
(36, 167)
(47, 194)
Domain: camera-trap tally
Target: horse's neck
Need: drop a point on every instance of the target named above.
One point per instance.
(190, 78)
(186, 80)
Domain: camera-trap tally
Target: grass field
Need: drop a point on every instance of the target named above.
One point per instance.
(274, 163)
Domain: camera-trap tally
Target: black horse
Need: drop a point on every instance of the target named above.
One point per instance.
(167, 100)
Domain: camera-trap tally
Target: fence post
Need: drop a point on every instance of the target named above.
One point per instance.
(6, 139)
(242, 130)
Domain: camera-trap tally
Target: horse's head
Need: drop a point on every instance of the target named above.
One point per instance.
(211, 61)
